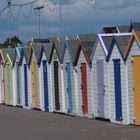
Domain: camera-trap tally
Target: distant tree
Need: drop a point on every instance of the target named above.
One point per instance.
(14, 41)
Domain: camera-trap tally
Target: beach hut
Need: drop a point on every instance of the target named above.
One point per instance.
(83, 66)
(57, 76)
(43, 91)
(45, 75)
(69, 82)
(19, 76)
(26, 71)
(132, 57)
(10, 76)
(118, 80)
(100, 81)
(2, 97)
(3, 80)
(35, 77)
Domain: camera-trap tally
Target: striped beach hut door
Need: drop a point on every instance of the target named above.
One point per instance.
(136, 79)
(45, 75)
(56, 84)
(25, 85)
(100, 87)
(69, 88)
(117, 83)
(18, 86)
(9, 96)
(34, 85)
(84, 88)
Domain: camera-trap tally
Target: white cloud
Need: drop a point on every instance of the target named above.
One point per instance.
(77, 16)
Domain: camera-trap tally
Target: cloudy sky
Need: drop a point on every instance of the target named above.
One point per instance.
(78, 16)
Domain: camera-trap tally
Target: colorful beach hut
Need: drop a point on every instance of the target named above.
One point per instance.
(45, 75)
(132, 57)
(118, 80)
(100, 76)
(9, 76)
(83, 65)
(19, 76)
(69, 82)
(26, 71)
(57, 76)
(3, 54)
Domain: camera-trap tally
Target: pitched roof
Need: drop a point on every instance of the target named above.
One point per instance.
(87, 48)
(107, 41)
(134, 36)
(38, 49)
(19, 53)
(87, 37)
(135, 26)
(59, 46)
(72, 46)
(48, 47)
(122, 44)
(138, 34)
(12, 54)
(4, 53)
(27, 54)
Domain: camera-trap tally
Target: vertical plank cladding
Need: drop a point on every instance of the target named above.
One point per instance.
(65, 61)
(5, 84)
(124, 93)
(41, 84)
(135, 51)
(13, 89)
(55, 58)
(22, 86)
(89, 93)
(99, 55)
(29, 73)
(50, 89)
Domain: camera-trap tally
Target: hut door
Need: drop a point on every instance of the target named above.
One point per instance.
(34, 84)
(69, 89)
(136, 79)
(9, 99)
(56, 84)
(18, 85)
(117, 82)
(25, 85)
(45, 75)
(100, 87)
(84, 88)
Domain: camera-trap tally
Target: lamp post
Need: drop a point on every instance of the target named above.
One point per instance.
(39, 12)
(9, 14)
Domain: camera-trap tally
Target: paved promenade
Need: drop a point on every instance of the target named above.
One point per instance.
(22, 124)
